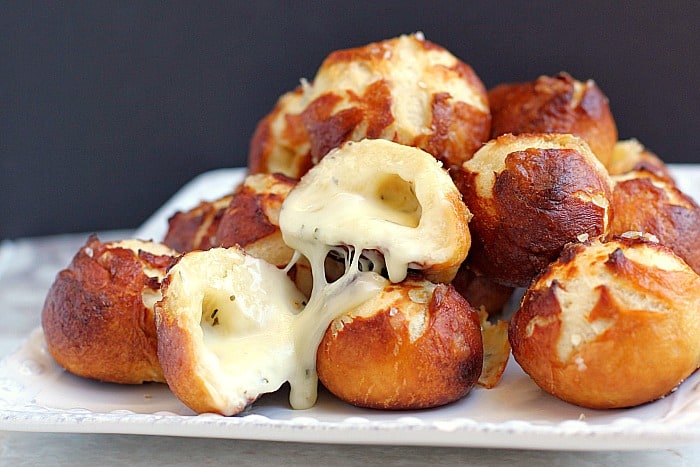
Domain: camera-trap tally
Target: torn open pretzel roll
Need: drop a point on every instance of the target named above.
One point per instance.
(224, 329)
(389, 209)
(394, 203)
(232, 327)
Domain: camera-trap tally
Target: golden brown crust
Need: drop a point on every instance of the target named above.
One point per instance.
(556, 104)
(251, 219)
(248, 218)
(181, 365)
(644, 203)
(95, 321)
(380, 361)
(457, 131)
(530, 195)
(196, 228)
(406, 90)
(610, 325)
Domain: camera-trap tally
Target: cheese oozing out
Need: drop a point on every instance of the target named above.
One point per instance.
(376, 196)
(380, 205)
(251, 330)
(377, 200)
(239, 325)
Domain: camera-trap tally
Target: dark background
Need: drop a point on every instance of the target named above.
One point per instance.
(107, 108)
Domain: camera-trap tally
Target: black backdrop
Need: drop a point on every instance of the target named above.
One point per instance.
(107, 108)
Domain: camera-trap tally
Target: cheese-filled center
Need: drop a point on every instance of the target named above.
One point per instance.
(390, 205)
(376, 195)
(373, 210)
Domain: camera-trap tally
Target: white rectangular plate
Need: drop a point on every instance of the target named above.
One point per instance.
(37, 395)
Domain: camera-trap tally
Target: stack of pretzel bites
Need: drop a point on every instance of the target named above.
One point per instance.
(392, 207)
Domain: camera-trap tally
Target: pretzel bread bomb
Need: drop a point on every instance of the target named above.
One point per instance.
(391, 205)
(98, 316)
(610, 325)
(555, 104)
(406, 90)
(398, 214)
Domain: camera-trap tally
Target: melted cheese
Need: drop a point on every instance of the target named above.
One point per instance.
(252, 329)
(366, 201)
(375, 195)
(383, 211)
(328, 301)
(241, 327)
(363, 221)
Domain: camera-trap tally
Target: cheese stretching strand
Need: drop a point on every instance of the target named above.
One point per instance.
(232, 327)
(368, 197)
